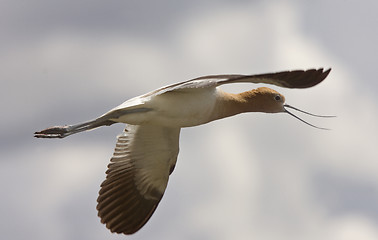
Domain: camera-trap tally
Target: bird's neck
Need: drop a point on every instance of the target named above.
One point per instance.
(230, 104)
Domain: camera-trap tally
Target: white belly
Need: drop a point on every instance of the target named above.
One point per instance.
(175, 109)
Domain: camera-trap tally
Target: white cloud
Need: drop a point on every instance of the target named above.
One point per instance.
(352, 227)
(40, 181)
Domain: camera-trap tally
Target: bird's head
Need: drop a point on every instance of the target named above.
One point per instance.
(267, 100)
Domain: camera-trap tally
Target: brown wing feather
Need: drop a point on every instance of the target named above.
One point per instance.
(298, 78)
(287, 79)
(121, 204)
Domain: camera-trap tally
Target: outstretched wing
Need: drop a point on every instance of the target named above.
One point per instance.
(287, 79)
(137, 176)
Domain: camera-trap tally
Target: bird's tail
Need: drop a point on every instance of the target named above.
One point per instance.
(64, 131)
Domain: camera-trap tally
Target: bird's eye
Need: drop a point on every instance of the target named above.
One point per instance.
(277, 98)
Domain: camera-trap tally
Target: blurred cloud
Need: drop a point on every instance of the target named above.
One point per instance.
(253, 176)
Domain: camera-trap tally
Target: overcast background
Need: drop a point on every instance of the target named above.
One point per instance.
(253, 176)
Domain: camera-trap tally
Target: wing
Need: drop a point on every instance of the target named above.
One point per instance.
(287, 79)
(137, 176)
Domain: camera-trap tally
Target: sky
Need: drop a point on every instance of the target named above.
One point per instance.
(252, 176)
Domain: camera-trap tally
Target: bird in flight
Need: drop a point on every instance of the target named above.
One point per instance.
(146, 151)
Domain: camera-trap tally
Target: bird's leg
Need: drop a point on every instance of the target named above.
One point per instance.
(64, 131)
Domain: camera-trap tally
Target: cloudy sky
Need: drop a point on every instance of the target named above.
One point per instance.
(253, 176)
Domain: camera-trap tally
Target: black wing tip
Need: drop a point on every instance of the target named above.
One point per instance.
(325, 73)
(129, 223)
(321, 75)
(120, 205)
(309, 78)
(126, 229)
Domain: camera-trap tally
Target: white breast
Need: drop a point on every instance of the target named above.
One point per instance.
(175, 109)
